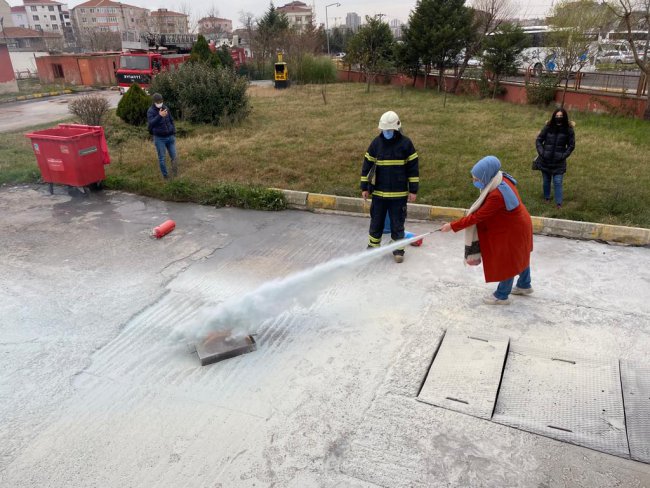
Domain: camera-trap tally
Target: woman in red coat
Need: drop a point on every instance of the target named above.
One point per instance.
(498, 231)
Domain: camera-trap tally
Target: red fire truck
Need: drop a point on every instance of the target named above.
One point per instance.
(150, 56)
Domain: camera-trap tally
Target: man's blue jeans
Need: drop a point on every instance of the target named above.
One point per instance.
(165, 143)
(557, 186)
(505, 286)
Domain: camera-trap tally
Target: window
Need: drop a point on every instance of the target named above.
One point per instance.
(50, 8)
(93, 20)
(84, 20)
(33, 8)
(52, 17)
(37, 27)
(55, 27)
(57, 69)
(83, 10)
(35, 17)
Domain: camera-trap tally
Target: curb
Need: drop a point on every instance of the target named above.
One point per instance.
(634, 236)
(32, 96)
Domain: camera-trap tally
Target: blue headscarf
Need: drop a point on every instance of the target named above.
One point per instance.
(486, 169)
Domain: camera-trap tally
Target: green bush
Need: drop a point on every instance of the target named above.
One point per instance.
(313, 69)
(204, 95)
(133, 106)
(542, 92)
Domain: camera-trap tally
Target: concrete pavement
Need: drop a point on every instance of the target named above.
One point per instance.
(27, 114)
(97, 391)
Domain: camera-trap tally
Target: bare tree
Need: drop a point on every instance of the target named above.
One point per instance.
(488, 15)
(577, 23)
(635, 16)
(185, 8)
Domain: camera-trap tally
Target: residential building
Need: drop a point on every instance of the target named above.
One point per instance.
(21, 39)
(165, 21)
(47, 15)
(211, 26)
(396, 28)
(6, 14)
(18, 17)
(353, 21)
(109, 16)
(300, 14)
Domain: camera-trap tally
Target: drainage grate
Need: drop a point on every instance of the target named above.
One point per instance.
(569, 398)
(636, 393)
(465, 374)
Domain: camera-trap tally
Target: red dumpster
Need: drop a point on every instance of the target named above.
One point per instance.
(71, 154)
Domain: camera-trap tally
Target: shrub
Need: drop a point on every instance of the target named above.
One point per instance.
(543, 92)
(90, 109)
(133, 106)
(202, 94)
(313, 69)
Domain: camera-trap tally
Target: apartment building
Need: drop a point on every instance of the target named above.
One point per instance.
(47, 15)
(214, 25)
(300, 14)
(165, 21)
(109, 16)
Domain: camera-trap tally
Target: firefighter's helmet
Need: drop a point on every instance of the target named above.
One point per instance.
(389, 121)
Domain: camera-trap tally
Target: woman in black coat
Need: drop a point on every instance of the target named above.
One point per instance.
(555, 143)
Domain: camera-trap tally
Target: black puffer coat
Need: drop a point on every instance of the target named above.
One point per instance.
(554, 145)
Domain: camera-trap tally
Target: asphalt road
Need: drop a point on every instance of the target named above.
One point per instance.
(97, 389)
(28, 113)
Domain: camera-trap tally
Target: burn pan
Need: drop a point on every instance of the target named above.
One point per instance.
(221, 345)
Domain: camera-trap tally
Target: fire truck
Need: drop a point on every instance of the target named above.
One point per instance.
(144, 58)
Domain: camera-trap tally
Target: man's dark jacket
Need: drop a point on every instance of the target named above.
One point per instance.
(160, 126)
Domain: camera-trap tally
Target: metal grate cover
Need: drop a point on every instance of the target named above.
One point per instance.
(569, 398)
(635, 378)
(465, 374)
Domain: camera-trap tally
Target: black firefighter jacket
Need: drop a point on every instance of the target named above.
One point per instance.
(395, 163)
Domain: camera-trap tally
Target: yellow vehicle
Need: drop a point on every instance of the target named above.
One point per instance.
(281, 73)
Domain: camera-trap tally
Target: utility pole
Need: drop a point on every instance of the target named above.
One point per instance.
(327, 29)
(380, 16)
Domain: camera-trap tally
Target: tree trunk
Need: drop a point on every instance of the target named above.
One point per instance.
(461, 72)
(566, 87)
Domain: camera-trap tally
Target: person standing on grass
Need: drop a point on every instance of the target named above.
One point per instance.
(161, 125)
(555, 143)
(390, 173)
(498, 232)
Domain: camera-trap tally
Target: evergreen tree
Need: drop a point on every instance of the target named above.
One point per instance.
(437, 31)
(133, 106)
(501, 52)
(201, 51)
(372, 47)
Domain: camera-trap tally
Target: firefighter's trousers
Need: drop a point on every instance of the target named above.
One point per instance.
(396, 209)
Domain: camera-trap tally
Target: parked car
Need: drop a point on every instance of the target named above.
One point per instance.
(616, 54)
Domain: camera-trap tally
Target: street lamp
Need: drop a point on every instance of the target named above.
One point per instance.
(327, 29)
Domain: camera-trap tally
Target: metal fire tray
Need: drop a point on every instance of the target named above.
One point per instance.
(221, 345)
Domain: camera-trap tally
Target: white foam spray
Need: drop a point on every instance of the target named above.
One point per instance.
(243, 314)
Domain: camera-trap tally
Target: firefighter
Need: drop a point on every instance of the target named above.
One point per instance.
(391, 175)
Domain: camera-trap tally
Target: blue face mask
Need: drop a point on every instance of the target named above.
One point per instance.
(479, 185)
(388, 134)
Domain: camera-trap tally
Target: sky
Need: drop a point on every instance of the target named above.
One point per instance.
(392, 9)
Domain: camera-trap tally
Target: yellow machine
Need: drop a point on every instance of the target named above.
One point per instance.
(281, 73)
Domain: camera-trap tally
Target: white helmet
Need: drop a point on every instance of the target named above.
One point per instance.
(389, 120)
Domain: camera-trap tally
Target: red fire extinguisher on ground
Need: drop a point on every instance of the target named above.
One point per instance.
(164, 229)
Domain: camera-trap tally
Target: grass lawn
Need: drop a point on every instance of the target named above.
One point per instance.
(294, 140)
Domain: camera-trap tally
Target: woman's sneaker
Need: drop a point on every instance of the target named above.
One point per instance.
(492, 300)
(521, 291)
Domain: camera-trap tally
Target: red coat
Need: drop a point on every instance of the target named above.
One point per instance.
(506, 238)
